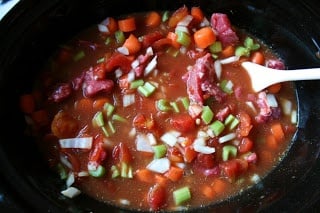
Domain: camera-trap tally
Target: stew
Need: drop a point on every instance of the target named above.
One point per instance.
(153, 111)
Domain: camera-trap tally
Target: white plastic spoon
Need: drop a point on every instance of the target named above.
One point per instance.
(262, 77)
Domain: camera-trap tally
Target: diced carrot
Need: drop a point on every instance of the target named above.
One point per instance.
(40, 117)
(173, 37)
(189, 154)
(127, 25)
(174, 173)
(98, 103)
(257, 57)
(160, 179)
(177, 16)
(208, 191)
(228, 51)
(153, 19)
(145, 175)
(219, 186)
(204, 37)
(197, 14)
(132, 44)
(275, 88)
(245, 145)
(112, 25)
(27, 103)
(84, 105)
(271, 142)
(277, 131)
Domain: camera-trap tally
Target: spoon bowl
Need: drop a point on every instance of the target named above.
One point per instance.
(261, 77)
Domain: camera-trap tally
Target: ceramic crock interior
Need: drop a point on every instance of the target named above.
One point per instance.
(31, 32)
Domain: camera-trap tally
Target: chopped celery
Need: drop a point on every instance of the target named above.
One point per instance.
(117, 117)
(105, 131)
(100, 60)
(126, 170)
(228, 151)
(147, 89)
(226, 86)
(99, 172)
(136, 83)
(229, 119)
(215, 47)
(79, 56)
(249, 43)
(115, 171)
(165, 16)
(183, 38)
(108, 41)
(62, 172)
(173, 51)
(207, 114)
(242, 51)
(159, 151)
(181, 195)
(234, 124)
(217, 127)
(163, 105)
(175, 106)
(111, 127)
(108, 109)
(98, 119)
(185, 102)
(120, 38)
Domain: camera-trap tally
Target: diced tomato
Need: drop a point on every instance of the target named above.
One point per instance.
(161, 43)
(183, 122)
(122, 153)
(99, 71)
(245, 145)
(234, 168)
(189, 154)
(150, 38)
(174, 173)
(177, 16)
(205, 160)
(118, 61)
(174, 154)
(98, 153)
(141, 122)
(156, 197)
(245, 124)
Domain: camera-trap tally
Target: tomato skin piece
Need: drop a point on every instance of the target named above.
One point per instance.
(177, 16)
(245, 145)
(205, 161)
(156, 197)
(118, 60)
(245, 124)
(122, 153)
(72, 159)
(183, 122)
(98, 153)
(234, 167)
(150, 38)
(99, 71)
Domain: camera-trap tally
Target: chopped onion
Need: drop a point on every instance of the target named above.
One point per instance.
(71, 192)
(65, 162)
(132, 132)
(70, 179)
(151, 66)
(131, 76)
(255, 178)
(143, 144)
(152, 139)
(218, 68)
(135, 64)
(230, 60)
(83, 174)
(103, 28)
(170, 138)
(286, 106)
(294, 116)
(128, 99)
(160, 165)
(124, 202)
(205, 22)
(251, 106)
(123, 50)
(271, 100)
(204, 149)
(76, 143)
(182, 29)
(227, 137)
(149, 51)
(118, 73)
(185, 21)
